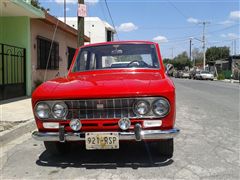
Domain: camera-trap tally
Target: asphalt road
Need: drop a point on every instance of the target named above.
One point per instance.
(207, 148)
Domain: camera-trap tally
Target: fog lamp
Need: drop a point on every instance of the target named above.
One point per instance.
(75, 124)
(124, 123)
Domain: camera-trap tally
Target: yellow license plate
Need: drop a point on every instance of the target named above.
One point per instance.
(102, 140)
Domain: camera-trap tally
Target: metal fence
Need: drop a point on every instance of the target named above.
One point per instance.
(12, 71)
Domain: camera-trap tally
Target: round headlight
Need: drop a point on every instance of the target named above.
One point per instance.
(161, 107)
(59, 110)
(124, 123)
(141, 107)
(42, 110)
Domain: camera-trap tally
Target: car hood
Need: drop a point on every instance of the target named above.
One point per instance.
(105, 85)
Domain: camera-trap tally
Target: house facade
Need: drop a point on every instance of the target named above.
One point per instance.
(50, 34)
(26, 36)
(15, 47)
(95, 28)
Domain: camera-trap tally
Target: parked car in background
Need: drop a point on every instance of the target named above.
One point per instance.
(185, 75)
(102, 103)
(204, 75)
(178, 74)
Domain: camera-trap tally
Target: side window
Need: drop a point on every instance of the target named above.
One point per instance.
(83, 61)
(92, 64)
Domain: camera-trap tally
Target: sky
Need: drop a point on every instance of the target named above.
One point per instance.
(171, 23)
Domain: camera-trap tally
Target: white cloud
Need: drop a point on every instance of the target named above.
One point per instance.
(192, 20)
(160, 39)
(67, 1)
(127, 27)
(226, 23)
(230, 36)
(234, 15)
(91, 2)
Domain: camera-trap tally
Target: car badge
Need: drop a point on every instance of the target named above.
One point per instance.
(100, 106)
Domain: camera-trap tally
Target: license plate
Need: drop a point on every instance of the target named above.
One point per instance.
(102, 140)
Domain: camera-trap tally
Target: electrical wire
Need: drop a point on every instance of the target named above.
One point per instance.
(110, 15)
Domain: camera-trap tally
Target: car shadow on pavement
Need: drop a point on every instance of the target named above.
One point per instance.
(129, 155)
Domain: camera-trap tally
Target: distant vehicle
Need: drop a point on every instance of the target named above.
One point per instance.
(204, 75)
(185, 75)
(178, 74)
(169, 69)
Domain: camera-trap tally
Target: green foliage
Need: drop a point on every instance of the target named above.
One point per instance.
(37, 4)
(38, 83)
(221, 76)
(217, 53)
(179, 62)
(227, 74)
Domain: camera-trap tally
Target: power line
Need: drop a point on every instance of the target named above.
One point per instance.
(178, 10)
(111, 18)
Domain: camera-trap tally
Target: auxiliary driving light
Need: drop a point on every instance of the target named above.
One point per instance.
(75, 124)
(124, 123)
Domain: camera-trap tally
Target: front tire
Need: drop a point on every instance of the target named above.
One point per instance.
(57, 148)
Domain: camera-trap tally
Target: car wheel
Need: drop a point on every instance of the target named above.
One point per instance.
(57, 148)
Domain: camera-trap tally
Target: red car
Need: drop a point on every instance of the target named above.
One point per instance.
(115, 91)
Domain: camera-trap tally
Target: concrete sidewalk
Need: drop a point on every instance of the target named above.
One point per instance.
(16, 118)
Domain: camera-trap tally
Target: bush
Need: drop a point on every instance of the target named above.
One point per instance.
(227, 74)
(221, 76)
(37, 83)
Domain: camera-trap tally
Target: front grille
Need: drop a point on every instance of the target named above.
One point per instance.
(101, 108)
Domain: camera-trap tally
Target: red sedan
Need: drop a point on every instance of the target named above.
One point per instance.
(115, 91)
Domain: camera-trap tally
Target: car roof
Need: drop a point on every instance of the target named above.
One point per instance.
(119, 42)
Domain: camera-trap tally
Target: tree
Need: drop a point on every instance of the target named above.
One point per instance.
(181, 61)
(37, 4)
(197, 57)
(217, 53)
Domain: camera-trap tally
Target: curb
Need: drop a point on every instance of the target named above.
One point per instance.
(17, 131)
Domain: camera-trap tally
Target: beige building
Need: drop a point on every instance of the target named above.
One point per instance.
(51, 34)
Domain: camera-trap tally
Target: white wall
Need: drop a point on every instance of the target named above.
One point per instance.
(94, 28)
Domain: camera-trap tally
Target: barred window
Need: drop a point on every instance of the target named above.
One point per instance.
(43, 50)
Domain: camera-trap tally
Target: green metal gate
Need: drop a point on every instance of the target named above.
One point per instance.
(12, 71)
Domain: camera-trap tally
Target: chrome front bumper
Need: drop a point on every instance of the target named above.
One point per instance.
(137, 135)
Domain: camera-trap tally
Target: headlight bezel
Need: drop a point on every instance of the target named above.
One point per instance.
(51, 105)
(168, 105)
(36, 112)
(137, 103)
(64, 106)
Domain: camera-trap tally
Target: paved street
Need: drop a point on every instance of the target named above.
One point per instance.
(207, 148)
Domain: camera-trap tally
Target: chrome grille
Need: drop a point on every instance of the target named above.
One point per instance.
(101, 108)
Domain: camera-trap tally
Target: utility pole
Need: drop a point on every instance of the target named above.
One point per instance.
(190, 49)
(65, 11)
(172, 51)
(81, 23)
(204, 43)
(235, 47)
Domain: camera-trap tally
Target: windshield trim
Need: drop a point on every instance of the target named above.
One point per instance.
(134, 68)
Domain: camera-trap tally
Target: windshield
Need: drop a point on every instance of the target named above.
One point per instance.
(205, 72)
(116, 56)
